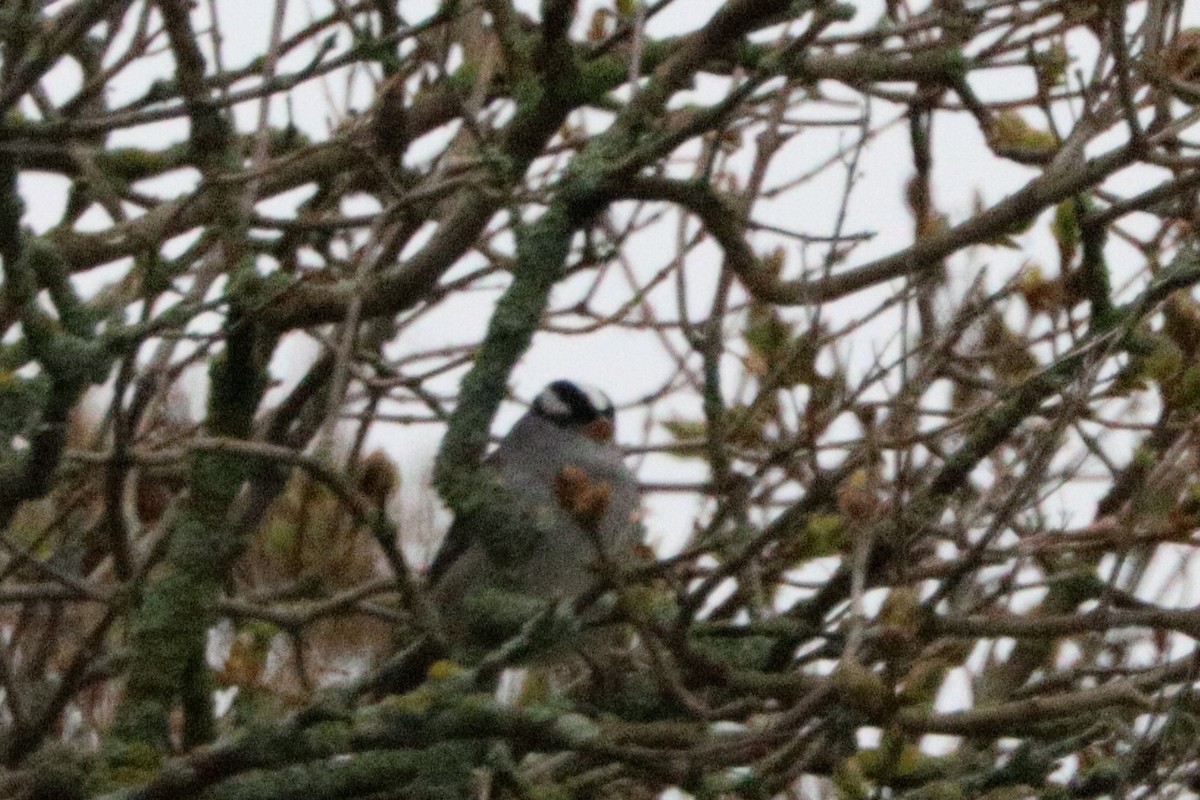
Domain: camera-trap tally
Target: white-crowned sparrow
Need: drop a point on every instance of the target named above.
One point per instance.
(560, 463)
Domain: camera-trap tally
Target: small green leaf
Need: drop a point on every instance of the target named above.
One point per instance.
(1050, 64)
(1066, 229)
(825, 535)
(1187, 395)
(1011, 131)
(766, 333)
(1164, 362)
(686, 430)
(850, 780)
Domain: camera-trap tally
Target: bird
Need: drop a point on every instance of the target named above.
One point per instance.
(559, 462)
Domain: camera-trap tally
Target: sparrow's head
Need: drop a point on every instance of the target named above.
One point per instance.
(577, 406)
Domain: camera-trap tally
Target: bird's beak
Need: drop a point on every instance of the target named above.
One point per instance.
(600, 430)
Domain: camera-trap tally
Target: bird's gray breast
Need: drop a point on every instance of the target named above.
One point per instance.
(564, 559)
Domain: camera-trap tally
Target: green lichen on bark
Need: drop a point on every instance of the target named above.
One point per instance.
(441, 771)
(169, 628)
(168, 633)
(467, 488)
(65, 347)
(57, 772)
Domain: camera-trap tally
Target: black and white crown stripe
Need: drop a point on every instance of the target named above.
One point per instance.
(565, 401)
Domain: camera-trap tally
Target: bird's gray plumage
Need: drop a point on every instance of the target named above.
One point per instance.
(551, 437)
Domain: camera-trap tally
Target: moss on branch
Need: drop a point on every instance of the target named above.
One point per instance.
(469, 489)
(169, 626)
